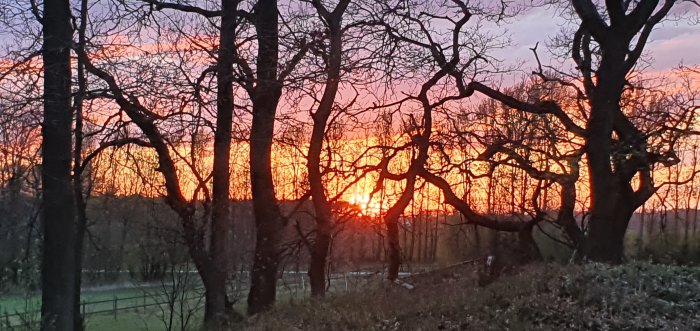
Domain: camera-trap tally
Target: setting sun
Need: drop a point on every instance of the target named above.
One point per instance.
(367, 206)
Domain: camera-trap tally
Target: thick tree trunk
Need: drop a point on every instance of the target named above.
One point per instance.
(606, 246)
(58, 272)
(606, 235)
(263, 289)
(608, 207)
(217, 268)
(268, 220)
(214, 283)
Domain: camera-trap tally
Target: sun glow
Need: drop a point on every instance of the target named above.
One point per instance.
(367, 205)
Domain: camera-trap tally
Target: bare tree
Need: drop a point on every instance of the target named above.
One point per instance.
(217, 265)
(332, 20)
(210, 255)
(270, 78)
(606, 48)
(269, 222)
(449, 55)
(621, 41)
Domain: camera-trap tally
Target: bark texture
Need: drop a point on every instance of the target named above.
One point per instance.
(217, 268)
(58, 272)
(269, 223)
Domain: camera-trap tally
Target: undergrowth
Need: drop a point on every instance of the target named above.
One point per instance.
(634, 296)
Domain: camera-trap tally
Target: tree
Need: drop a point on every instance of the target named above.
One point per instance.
(210, 256)
(511, 141)
(58, 217)
(616, 149)
(319, 251)
(606, 48)
(438, 43)
(221, 179)
(268, 219)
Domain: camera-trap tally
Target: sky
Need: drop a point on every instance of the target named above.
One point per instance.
(673, 41)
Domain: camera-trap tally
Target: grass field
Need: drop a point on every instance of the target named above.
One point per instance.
(151, 318)
(100, 308)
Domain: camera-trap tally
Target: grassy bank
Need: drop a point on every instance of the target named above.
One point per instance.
(635, 296)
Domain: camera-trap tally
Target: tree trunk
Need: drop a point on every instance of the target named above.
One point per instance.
(394, 252)
(78, 168)
(566, 215)
(527, 246)
(58, 272)
(323, 214)
(607, 233)
(263, 288)
(81, 228)
(214, 283)
(268, 221)
(695, 216)
(433, 256)
(319, 257)
(610, 216)
(610, 194)
(214, 264)
(477, 240)
(217, 263)
(426, 235)
(391, 220)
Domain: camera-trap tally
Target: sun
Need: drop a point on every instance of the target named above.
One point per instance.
(367, 206)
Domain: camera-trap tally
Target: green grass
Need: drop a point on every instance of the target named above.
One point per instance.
(151, 321)
(150, 318)
(131, 319)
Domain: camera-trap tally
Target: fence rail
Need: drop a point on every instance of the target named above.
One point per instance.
(147, 300)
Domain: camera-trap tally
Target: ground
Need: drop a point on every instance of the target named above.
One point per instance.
(634, 296)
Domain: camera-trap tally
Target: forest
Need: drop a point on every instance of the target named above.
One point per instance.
(349, 165)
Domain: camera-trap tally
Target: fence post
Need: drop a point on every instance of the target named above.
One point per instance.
(144, 301)
(346, 281)
(114, 307)
(83, 308)
(303, 284)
